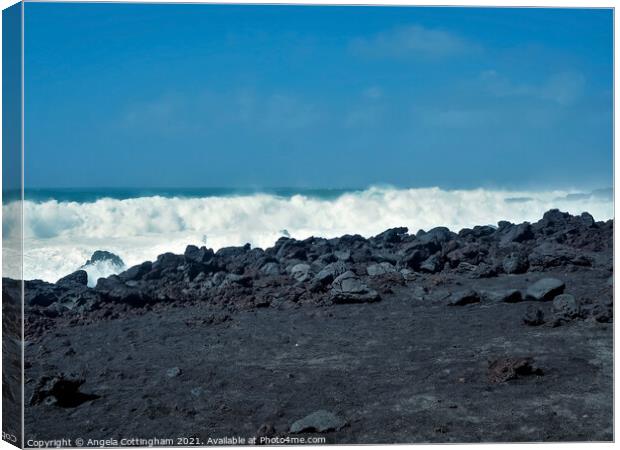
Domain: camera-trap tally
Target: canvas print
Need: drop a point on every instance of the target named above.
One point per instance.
(286, 224)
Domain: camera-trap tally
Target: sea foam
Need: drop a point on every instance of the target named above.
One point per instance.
(61, 236)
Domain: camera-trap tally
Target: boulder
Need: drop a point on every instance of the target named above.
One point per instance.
(566, 307)
(470, 253)
(168, 261)
(545, 289)
(515, 263)
(233, 279)
(233, 252)
(60, 390)
(342, 255)
(464, 268)
(553, 218)
(238, 259)
(199, 255)
(483, 230)
(587, 219)
(40, 293)
(412, 257)
(483, 270)
(464, 298)
(325, 259)
(505, 295)
(136, 272)
(79, 277)
(550, 254)
(290, 249)
(533, 316)
(271, 269)
(432, 264)
(505, 369)
(301, 272)
(329, 273)
(380, 269)
(103, 255)
(515, 233)
(392, 236)
(318, 422)
(503, 225)
(130, 293)
(413, 254)
(437, 236)
(349, 288)
(603, 311)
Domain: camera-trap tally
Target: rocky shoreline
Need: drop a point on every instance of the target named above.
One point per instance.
(495, 333)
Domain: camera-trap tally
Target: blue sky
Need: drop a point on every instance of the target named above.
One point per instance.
(303, 96)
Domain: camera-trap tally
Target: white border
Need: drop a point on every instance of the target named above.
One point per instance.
(479, 3)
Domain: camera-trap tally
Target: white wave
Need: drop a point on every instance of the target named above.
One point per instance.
(101, 269)
(61, 236)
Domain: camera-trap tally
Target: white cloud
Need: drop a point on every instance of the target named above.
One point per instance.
(413, 40)
(563, 88)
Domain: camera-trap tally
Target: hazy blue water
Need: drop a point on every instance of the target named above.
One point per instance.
(83, 195)
(86, 195)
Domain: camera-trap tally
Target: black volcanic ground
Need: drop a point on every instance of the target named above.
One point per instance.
(492, 334)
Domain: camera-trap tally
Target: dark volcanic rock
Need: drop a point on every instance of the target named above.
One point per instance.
(271, 269)
(200, 255)
(566, 307)
(533, 316)
(79, 277)
(247, 334)
(470, 254)
(392, 236)
(545, 289)
(602, 313)
(551, 254)
(331, 271)
(301, 272)
(169, 261)
(383, 268)
(39, 293)
(483, 270)
(464, 298)
(136, 272)
(505, 295)
(61, 390)
(432, 264)
(516, 233)
(103, 255)
(349, 288)
(506, 369)
(342, 255)
(515, 263)
(130, 293)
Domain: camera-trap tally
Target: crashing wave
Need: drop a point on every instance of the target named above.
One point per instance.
(60, 236)
(102, 264)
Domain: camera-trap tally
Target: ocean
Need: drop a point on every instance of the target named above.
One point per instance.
(63, 227)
